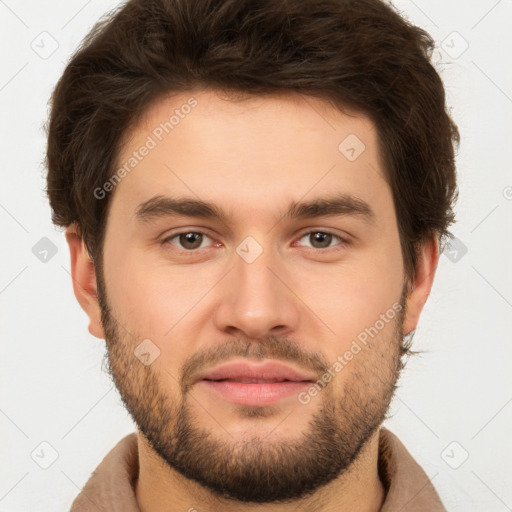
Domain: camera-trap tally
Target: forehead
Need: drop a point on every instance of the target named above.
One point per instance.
(252, 152)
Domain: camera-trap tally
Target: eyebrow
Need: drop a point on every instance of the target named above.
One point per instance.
(335, 205)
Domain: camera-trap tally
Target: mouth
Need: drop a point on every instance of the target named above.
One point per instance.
(250, 381)
(255, 392)
(249, 384)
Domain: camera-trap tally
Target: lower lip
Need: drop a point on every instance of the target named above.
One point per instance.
(253, 393)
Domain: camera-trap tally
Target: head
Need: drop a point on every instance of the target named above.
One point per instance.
(256, 184)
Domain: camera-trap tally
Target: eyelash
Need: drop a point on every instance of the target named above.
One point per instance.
(343, 241)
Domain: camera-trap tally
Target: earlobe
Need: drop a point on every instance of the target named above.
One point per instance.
(426, 265)
(83, 275)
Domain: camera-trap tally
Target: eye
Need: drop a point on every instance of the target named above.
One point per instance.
(322, 239)
(188, 240)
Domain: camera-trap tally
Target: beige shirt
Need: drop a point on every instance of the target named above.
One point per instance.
(111, 487)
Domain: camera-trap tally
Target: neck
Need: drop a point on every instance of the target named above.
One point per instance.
(358, 490)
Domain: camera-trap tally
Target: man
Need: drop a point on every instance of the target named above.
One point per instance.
(255, 195)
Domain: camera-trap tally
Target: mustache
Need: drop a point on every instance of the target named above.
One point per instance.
(271, 347)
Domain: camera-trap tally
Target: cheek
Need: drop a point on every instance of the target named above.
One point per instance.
(134, 291)
(363, 349)
(353, 295)
(155, 300)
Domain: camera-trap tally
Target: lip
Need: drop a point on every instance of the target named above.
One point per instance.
(231, 381)
(266, 370)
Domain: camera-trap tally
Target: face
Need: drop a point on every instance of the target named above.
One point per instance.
(219, 308)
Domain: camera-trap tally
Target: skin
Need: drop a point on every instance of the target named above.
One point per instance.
(252, 158)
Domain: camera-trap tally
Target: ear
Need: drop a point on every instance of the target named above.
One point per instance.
(83, 274)
(426, 265)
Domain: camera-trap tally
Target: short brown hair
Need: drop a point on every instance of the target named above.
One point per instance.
(359, 54)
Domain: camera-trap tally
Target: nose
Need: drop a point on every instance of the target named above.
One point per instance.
(257, 299)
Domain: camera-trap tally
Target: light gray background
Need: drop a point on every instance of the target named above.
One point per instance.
(455, 400)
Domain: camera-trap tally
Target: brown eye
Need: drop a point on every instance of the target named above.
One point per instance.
(321, 239)
(191, 240)
(187, 240)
